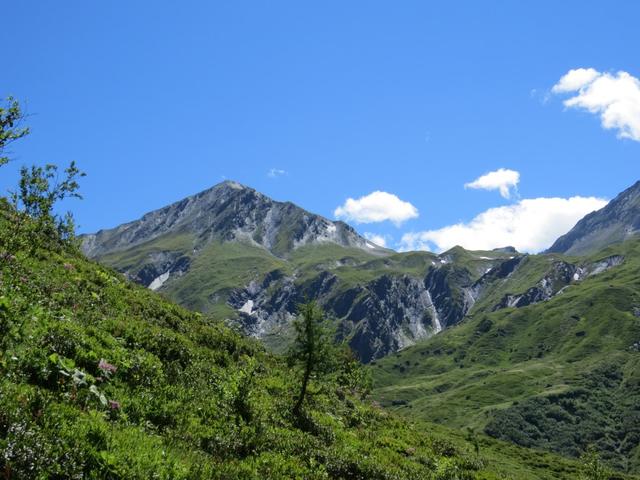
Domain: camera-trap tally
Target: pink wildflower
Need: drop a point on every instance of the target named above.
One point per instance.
(106, 367)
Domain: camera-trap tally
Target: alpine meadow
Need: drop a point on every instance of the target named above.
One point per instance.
(464, 305)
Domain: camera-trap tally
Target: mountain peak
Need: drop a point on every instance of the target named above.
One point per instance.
(614, 223)
(233, 184)
(230, 211)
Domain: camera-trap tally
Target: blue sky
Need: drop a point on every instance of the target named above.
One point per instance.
(159, 100)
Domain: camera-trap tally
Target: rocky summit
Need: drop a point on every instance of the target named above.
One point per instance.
(230, 211)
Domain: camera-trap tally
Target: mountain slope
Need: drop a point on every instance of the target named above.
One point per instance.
(230, 211)
(378, 303)
(616, 222)
(234, 252)
(101, 378)
(556, 373)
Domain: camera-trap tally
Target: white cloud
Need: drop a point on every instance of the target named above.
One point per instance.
(531, 225)
(376, 207)
(614, 97)
(575, 79)
(502, 179)
(276, 172)
(379, 240)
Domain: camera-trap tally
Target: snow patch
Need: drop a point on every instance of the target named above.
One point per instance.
(247, 307)
(438, 325)
(159, 281)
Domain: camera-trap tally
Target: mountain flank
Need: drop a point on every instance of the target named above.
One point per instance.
(235, 253)
(230, 211)
(618, 221)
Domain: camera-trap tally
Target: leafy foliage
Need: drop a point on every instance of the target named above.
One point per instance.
(10, 118)
(592, 468)
(39, 190)
(33, 221)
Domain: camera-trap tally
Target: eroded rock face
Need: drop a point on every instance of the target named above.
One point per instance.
(159, 267)
(382, 316)
(264, 306)
(500, 272)
(389, 314)
(230, 211)
(392, 312)
(561, 275)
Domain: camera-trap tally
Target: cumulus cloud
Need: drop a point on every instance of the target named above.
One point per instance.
(380, 240)
(376, 207)
(531, 225)
(575, 79)
(276, 172)
(502, 179)
(614, 97)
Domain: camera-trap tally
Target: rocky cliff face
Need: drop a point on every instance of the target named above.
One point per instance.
(614, 223)
(558, 277)
(377, 317)
(230, 212)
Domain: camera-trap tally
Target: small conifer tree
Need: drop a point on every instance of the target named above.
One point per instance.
(311, 348)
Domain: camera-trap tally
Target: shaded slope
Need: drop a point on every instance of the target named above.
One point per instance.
(616, 222)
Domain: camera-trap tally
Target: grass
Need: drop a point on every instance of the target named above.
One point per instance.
(100, 378)
(562, 369)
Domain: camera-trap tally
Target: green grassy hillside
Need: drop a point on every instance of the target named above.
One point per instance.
(101, 378)
(557, 375)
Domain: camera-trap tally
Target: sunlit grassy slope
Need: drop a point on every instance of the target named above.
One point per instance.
(557, 375)
(100, 378)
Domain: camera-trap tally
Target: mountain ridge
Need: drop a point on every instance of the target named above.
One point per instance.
(230, 211)
(234, 252)
(614, 223)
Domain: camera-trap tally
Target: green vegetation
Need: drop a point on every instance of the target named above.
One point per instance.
(311, 348)
(558, 375)
(101, 378)
(104, 379)
(11, 117)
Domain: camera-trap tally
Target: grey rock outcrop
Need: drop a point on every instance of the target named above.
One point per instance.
(559, 277)
(230, 212)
